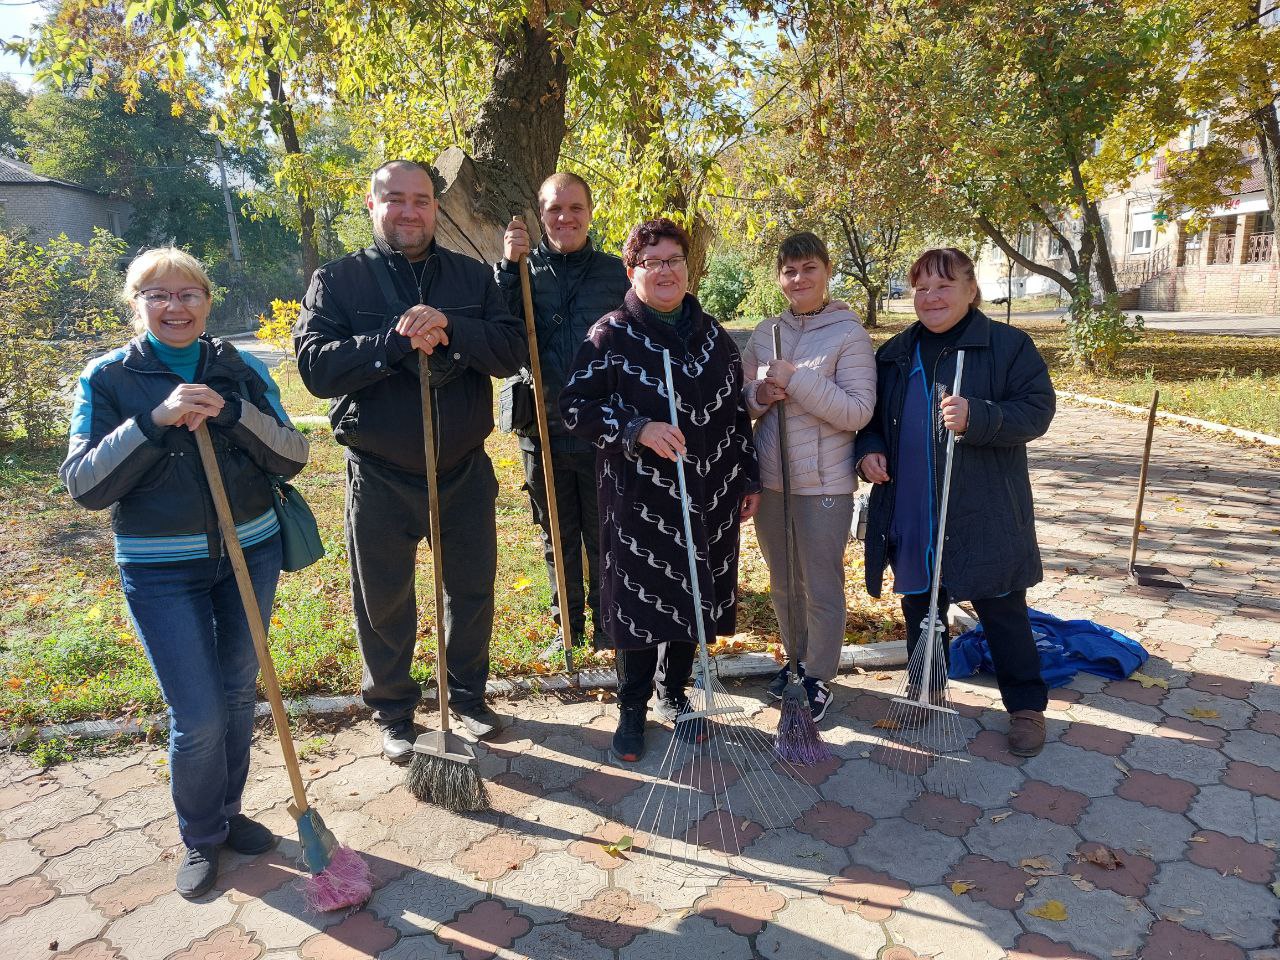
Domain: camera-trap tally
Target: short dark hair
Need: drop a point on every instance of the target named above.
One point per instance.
(949, 262)
(563, 178)
(437, 181)
(802, 246)
(649, 233)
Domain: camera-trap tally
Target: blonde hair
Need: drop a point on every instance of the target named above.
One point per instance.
(150, 264)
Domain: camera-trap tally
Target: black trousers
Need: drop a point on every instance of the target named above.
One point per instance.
(387, 517)
(1008, 630)
(668, 664)
(575, 480)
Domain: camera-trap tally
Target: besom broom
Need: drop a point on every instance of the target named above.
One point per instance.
(339, 876)
(443, 770)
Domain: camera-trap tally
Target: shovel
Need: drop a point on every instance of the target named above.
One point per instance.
(1145, 575)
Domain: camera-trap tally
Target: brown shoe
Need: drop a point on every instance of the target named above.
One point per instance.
(1026, 733)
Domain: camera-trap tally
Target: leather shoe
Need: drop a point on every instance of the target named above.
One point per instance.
(481, 722)
(197, 872)
(248, 836)
(398, 739)
(1026, 733)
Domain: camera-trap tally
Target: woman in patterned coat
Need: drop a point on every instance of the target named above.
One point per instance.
(617, 399)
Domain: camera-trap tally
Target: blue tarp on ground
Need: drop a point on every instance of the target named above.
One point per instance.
(1066, 647)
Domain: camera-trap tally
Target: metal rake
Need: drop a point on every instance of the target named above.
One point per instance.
(720, 773)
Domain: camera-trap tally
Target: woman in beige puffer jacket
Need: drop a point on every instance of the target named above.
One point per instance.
(827, 375)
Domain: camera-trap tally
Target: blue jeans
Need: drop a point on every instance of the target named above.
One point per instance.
(193, 627)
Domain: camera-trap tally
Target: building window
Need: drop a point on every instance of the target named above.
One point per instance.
(1055, 241)
(1198, 133)
(1027, 243)
(116, 229)
(1141, 231)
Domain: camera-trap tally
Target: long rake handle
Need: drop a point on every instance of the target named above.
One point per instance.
(1142, 480)
(433, 512)
(252, 613)
(703, 657)
(798, 631)
(544, 438)
(931, 637)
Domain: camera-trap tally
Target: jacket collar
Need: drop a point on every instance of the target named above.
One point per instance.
(638, 314)
(977, 336)
(579, 256)
(217, 359)
(833, 312)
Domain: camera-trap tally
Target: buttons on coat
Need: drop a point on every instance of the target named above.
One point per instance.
(377, 364)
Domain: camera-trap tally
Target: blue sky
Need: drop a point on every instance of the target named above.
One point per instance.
(16, 18)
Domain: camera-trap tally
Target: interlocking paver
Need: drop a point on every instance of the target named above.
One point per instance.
(549, 886)
(60, 924)
(101, 862)
(934, 922)
(808, 928)
(361, 936)
(1099, 922)
(553, 941)
(226, 943)
(420, 900)
(17, 859)
(1223, 907)
(884, 847)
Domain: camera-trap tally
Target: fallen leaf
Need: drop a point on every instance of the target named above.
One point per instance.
(886, 724)
(1215, 562)
(1041, 864)
(1205, 840)
(961, 886)
(624, 844)
(1275, 888)
(522, 584)
(1054, 910)
(1201, 713)
(1002, 816)
(1105, 858)
(1121, 766)
(884, 676)
(1084, 885)
(1149, 682)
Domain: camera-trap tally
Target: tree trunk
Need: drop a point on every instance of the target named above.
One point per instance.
(870, 319)
(521, 124)
(1268, 135)
(287, 130)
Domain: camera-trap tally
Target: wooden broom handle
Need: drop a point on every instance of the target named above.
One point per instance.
(433, 512)
(549, 480)
(252, 613)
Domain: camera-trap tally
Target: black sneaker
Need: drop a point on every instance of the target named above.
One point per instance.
(197, 872)
(670, 708)
(779, 683)
(628, 740)
(248, 836)
(481, 722)
(820, 697)
(397, 740)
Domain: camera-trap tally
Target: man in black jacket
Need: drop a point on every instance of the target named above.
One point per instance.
(574, 285)
(366, 321)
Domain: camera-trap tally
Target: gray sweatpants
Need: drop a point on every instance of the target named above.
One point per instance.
(820, 528)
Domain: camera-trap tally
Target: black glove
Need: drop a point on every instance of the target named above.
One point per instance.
(229, 415)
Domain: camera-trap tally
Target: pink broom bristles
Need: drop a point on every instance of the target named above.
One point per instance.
(798, 741)
(346, 882)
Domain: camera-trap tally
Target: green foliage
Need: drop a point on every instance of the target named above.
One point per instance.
(12, 102)
(1098, 331)
(725, 286)
(764, 298)
(50, 753)
(57, 308)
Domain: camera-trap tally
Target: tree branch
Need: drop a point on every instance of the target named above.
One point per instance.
(993, 232)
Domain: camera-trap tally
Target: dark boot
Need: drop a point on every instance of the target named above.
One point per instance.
(1026, 733)
(628, 741)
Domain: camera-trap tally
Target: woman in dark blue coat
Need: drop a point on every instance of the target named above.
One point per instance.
(1006, 400)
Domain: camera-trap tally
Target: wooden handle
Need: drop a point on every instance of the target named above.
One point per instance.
(1142, 479)
(433, 512)
(252, 613)
(544, 438)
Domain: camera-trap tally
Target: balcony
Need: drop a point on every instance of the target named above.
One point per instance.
(1260, 248)
(1223, 250)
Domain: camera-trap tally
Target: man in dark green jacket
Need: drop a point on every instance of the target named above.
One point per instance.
(574, 285)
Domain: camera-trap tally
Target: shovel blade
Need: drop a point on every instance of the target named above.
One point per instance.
(1146, 575)
(446, 746)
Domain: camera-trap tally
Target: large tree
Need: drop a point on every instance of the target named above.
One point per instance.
(1003, 105)
(495, 79)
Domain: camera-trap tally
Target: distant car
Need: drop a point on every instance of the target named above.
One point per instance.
(896, 289)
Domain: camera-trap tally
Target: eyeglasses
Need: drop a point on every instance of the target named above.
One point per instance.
(190, 298)
(653, 264)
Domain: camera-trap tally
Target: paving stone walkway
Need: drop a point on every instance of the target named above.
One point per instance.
(1148, 828)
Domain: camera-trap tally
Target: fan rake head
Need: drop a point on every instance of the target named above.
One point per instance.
(720, 783)
(924, 733)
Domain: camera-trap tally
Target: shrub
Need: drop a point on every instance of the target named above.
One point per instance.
(1097, 332)
(725, 286)
(58, 306)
